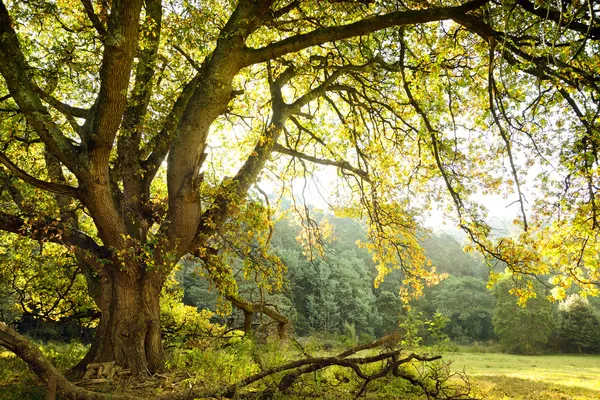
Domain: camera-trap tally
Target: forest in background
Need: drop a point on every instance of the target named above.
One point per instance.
(333, 294)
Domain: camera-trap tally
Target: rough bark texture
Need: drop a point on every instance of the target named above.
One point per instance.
(129, 330)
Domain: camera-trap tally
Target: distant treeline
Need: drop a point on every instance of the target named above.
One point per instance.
(335, 294)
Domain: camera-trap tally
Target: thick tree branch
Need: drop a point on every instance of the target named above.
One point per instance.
(120, 46)
(232, 191)
(209, 100)
(362, 27)
(135, 193)
(51, 231)
(162, 141)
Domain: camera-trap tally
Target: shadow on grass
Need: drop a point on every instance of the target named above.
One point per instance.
(500, 387)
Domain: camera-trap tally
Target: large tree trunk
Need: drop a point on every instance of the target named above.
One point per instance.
(129, 330)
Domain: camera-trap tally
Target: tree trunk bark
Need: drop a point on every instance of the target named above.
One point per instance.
(129, 331)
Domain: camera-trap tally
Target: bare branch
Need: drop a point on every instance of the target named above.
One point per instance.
(345, 165)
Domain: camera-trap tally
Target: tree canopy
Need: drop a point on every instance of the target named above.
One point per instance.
(134, 133)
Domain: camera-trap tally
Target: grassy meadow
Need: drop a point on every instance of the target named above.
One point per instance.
(505, 376)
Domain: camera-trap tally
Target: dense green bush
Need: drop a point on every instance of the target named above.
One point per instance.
(522, 330)
(578, 326)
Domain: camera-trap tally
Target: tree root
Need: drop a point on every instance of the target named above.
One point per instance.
(432, 387)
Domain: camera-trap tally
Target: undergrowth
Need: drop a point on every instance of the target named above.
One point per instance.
(215, 365)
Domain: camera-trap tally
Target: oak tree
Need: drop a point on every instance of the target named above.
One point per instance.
(132, 133)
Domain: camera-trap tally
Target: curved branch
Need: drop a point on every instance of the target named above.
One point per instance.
(362, 27)
(39, 364)
(548, 13)
(345, 165)
(232, 190)
(52, 231)
(47, 186)
(252, 308)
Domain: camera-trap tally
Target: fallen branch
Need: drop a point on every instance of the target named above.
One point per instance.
(250, 309)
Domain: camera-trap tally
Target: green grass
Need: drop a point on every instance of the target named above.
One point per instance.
(505, 376)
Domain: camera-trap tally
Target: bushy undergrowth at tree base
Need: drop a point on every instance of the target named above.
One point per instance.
(226, 362)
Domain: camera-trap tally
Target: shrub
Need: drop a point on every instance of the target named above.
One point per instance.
(578, 326)
(522, 329)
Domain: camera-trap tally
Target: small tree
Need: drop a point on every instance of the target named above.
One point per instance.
(522, 330)
(470, 306)
(388, 308)
(578, 326)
